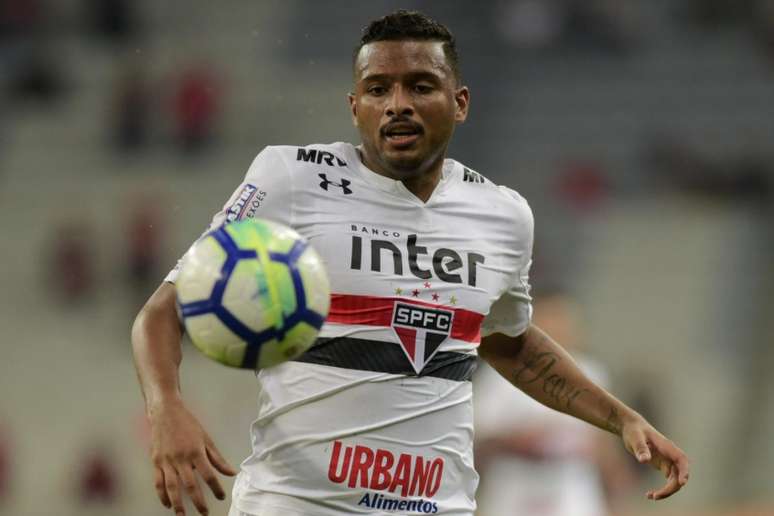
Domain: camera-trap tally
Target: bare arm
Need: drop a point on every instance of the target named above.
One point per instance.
(180, 447)
(541, 368)
(156, 336)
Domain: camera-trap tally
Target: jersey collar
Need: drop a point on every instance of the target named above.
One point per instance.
(397, 188)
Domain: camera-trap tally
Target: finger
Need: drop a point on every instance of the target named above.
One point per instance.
(663, 465)
(192, 488)
(205, 471)
(670, 488)
(161, 489)
(218, 461)
(171, 482)
(682, 465)
(683, 470)
(677, 458)
(639, 447)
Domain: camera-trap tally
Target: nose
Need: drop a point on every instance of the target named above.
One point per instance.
(399, 103)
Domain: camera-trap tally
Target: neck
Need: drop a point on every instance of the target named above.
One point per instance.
(423, 185)
(420, 183)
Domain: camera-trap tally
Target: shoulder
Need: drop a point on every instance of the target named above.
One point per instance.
(276, 163)
(516, 205)
(331, 154)
(497, 199)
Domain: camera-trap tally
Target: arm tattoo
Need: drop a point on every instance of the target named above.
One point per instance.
(536, 367)
(613, 423)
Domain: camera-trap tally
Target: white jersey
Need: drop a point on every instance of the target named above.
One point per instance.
(377, 417)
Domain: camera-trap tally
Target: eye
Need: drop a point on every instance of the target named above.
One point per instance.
(423, 88)
(376, 90)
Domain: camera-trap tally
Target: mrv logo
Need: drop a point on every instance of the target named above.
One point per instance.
(381, 470)
(445, 262)
(319, 157)
(421, 331)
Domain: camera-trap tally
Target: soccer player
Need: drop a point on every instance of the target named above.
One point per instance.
(428, 263)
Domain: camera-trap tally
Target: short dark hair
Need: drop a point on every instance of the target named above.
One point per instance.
(411, 25)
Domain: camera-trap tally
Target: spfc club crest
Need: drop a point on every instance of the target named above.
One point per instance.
(421, 330)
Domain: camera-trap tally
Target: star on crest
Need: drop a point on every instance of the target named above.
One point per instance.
(415, 292)
(427, 284)
(435, 296)
(398, 291)
(452, 300)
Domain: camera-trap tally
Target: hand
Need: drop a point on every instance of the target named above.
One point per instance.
(650, 447)
(180, 448)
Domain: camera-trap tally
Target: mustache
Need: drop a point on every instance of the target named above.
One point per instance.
(401, 123)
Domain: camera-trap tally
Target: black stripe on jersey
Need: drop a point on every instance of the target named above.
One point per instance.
(386, 357)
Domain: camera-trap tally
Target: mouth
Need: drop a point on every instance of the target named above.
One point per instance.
(402, 135)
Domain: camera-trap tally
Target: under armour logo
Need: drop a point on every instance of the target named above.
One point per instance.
(344, 185)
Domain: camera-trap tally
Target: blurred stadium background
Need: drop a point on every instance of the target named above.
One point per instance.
(641, 131)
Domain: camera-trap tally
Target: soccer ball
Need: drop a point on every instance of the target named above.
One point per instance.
(252, 294)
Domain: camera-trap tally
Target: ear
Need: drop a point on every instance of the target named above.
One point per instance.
(352, 107)
(462, 98)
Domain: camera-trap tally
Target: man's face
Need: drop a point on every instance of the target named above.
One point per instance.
(405, 104)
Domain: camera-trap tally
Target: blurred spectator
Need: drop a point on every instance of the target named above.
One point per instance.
(597, 25)
(73, 262)
(718, 13)
(19, 18)
(131, 109)
(98, 479)
(530, 24)
(601, 25)
(36, 75)
(143, 247)
(757, 16)
(30, 69)
(114, 20)
(681, 167)
(196, 106)
(535, 461)
(582, 185)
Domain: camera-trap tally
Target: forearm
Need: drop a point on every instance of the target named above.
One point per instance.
(541, 368)
(181, 450)
(156, 336)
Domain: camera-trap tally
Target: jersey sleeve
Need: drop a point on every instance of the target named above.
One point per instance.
(265, 192)
(512, 312)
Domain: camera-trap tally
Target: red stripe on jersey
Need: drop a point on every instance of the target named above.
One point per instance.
(377, 311)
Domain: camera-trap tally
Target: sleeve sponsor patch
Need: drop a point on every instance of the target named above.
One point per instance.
(246, 203)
